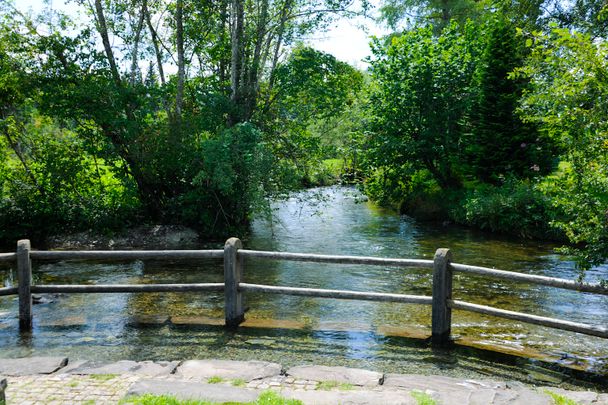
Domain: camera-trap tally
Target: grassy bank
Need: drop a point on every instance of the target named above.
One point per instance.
(515, 208)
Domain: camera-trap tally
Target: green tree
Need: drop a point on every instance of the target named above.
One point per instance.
(311, 88)
(439, 13)
(422, 94)
(569, 101)
(501, 145)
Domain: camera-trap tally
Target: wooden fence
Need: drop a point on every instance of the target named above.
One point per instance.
(233, 286)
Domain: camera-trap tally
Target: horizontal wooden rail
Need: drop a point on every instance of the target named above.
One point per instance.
(7, 257)
(126, 288)
(533, 319)
(125, 254)
(314, 258)
(337, 294)
(530, 278)
(9, 291)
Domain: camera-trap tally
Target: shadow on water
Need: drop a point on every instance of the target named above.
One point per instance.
(295, 330)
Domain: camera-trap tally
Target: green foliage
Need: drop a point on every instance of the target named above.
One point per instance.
(421, 98)
(265, 398)
(236, 170)
(422, 398)
(215, 380)
(51, 181)
(312, 94)
(330, 385)
(436, 12)
(500, 144)
(498, 208)
(568, 100)
(560, 399)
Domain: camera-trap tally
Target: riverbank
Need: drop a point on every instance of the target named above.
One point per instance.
(57, 380)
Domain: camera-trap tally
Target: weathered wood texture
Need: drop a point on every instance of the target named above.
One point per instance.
(533, 319)
(337, 294)
(7, 257)
(3, 385)
(234, 310)
(126, 254)
(530, 278)
(9, 291)
(441, 316)
(24, 270)
(126, 288)
(314, 258)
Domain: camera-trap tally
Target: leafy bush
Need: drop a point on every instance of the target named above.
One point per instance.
(516, 207)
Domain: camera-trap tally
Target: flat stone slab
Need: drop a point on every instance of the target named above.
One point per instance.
(193, 390)
(145, 368)
(346, 375)
(580, 397)
(31, 365)
(244, 370)
(466, 392)
(351, 397)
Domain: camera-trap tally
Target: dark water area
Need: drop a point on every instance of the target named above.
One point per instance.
(297, 330)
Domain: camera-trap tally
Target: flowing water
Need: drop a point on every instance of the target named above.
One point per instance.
(296, 330)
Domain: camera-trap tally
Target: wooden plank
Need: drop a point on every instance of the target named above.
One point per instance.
(530, 278)
(8, 257)
(337, 294)
(9, 291)
(533, 319)
(125, 288)
(441, 316)
(126, 254)
(306, 257)
(234, 310)
(24, 273)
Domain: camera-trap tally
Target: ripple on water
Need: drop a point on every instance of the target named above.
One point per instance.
(294, 330)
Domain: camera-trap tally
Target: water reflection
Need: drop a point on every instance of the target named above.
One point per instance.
(294, 330)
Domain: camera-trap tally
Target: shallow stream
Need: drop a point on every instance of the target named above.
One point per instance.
(296, 330)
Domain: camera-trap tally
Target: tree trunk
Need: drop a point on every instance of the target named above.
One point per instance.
(181, 69)
(236, 62)
(154, 35)
(103, 31)
(135, 54)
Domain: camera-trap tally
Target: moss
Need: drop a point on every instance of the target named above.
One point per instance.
(265, 398)
(330, 385)
(215, 380)
(103, 377)
(560, 399)
(423, 398)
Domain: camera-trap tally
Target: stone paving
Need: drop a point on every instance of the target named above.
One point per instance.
(57, 381)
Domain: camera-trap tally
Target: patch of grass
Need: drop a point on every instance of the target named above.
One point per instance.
(239, 382)
(330, 385)
(334, 166)
(265, 398)
(103, 377)
(422, 398)
(559, 399)
(73, 384)
(149, 399)
(89, 402)
(215, 380)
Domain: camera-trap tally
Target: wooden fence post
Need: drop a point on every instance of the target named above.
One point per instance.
(24, 271)
(442, 292)
(234, 311)
(3, 386)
